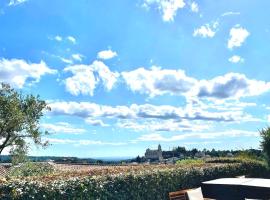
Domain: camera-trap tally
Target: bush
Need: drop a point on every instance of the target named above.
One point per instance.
(265, 143)
(194, 162)
(155, 184)
(238, 159)
(30, 169)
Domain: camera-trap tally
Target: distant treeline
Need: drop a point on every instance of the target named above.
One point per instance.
(182, 152)
(72, 160)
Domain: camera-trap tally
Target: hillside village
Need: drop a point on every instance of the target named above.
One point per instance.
(158, 155)
(170, 157)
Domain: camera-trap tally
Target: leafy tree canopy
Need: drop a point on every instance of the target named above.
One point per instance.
(19, 119)
(265, 142)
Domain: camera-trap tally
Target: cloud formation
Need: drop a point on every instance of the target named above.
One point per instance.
(16, 2)
(238, 35)
(62, 127)
(84, 142)
(232, 85)
(95, 122)
(236, 59)
(230, 13)
(207, 30)
(106, 54)
(17, 72)
(211, 135)
(60, 38)
(194, 7)
(85, 78)
(77, 57)
(71, 39)
(168, 8)
(144, 111)
(162, 125)
(157, 81)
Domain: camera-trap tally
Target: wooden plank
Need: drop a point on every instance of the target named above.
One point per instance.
(178, 195)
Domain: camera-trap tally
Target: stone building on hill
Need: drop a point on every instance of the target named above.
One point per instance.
(154, 154)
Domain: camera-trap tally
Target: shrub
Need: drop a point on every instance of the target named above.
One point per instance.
(30, 169)
(223, 160)
(155, 184)
(194, 162)
(238, 159)
(265, 143)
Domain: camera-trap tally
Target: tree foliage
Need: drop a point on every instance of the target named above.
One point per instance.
(265, 142)
(19, 154)
(19, 119)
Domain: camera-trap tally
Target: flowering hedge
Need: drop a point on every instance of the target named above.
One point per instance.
(149, 184)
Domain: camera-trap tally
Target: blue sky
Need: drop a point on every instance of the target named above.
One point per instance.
(122, 76)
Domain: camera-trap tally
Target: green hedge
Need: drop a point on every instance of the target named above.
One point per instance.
(232, 160)
(147, 185)
(30, 169)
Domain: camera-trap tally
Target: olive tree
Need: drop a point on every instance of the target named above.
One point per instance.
(265, 142)
(19, 119)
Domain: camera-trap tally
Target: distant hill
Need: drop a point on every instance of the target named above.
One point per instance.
(108, 160)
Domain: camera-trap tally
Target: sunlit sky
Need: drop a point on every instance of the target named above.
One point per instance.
(125, 75)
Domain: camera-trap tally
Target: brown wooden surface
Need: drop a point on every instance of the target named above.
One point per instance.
(178, 195)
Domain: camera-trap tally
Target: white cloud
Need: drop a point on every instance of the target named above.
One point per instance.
(219, 105)
(16, 2)
(207, 30)
(194, 7)
(83, 80)
(232, 85)
(158, 81)
(86, 110)
(93, 142)
(168, 8)
(65, 60)
(77, 57)
(106, 54)
(82, 109)
(62, 127)
(95, 122)
(108, 77)
(58, 141)
(70, 60)
(236, 59)
(61, 38)
(17, 72)
(58, 38)
(162, 125)
(152, 137)
(145, 111)
(211, 135)
(71, 39)
(238, 35)
(82, 142)
(268, 118)
(86, 77)
(230, 13)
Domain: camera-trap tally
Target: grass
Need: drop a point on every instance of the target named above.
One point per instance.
(191, 162)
